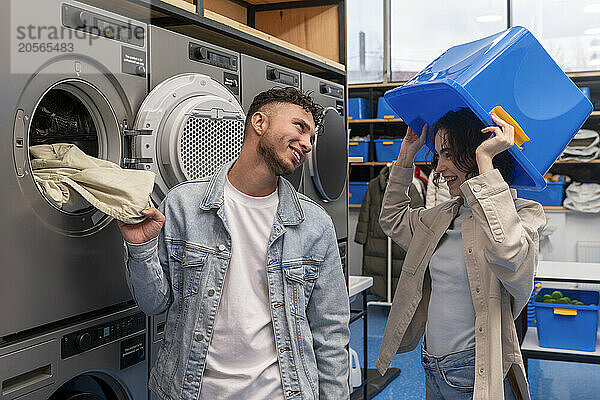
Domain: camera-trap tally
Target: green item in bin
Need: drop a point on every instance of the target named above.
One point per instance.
(547, 296)
(563, 300)
(556, 294)
(592, 305)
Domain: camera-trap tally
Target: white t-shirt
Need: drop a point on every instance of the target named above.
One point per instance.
(242, 359)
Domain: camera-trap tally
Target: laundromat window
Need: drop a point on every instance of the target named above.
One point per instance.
(62, 117)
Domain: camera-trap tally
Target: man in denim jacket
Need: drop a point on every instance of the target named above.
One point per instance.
(248, 271)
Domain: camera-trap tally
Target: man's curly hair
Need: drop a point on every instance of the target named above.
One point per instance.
(285, 95)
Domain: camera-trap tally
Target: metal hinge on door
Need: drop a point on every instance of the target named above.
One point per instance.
(138, 147)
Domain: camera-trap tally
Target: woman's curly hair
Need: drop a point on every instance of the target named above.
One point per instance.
(463, 136)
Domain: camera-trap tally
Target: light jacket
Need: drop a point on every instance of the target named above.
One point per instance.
(500, 248)
(182, 272)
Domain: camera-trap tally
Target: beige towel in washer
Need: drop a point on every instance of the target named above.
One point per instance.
(121, 193)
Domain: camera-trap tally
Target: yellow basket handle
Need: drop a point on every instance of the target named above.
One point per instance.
(520, 136)
(565, 311)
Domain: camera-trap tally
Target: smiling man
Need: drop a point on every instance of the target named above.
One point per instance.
(248, 271)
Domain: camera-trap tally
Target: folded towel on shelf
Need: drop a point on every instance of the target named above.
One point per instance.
(63, 173)
(585, 146)
(584, 197)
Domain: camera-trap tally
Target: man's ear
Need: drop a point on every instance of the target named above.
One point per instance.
(259, 122)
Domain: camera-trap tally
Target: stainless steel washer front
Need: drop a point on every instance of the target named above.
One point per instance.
(102, 358)
(59, 263)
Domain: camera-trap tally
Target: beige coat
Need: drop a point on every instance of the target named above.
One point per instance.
(500, 247)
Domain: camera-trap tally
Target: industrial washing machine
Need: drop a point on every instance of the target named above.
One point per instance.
(325, 173)
(100, 359)
(61, 263)
(259, 76)
(326, 170)
(214, 124)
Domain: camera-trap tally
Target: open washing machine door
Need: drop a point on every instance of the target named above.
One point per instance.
(326, 163)
(187, 127)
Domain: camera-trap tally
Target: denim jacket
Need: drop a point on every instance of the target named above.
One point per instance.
(182, 272)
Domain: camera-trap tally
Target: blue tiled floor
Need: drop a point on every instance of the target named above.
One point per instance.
(549, 380)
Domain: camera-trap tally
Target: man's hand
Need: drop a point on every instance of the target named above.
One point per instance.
(146, 230)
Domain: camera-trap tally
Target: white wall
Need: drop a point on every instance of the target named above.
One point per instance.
(570, 227)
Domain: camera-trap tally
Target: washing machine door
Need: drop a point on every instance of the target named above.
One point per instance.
(187, 127)
(329, 157)
(91, 386)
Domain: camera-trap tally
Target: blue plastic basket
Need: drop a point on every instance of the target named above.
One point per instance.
(387, 150)
(358, 108)
(359, 148)
(552, 195)
(424, 155)
(357, 192)
(384, 111)
(509, 69)
(565, 326)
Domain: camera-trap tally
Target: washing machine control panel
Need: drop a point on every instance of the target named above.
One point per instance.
(94, 336)
(99, 25)
(285, 77)
(213, 57)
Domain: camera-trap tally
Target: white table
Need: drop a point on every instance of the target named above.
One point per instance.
(561, 271)
(358, 284)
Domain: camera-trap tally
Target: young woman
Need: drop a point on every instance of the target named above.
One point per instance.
(469, 266)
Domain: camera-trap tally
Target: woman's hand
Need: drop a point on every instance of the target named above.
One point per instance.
(503, 139)
(411, 144)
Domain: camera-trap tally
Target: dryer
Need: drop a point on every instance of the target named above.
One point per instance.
(326, 170)
(259, 76)
(200, 130)
(102, 358)
(325, 177)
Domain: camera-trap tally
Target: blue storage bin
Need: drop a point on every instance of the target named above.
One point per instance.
(509, 69)
(359, 148)
(384, 111)
(424, 155)
(552, 195)
(565, 326)
(357, 192)
(387, 150)
(358, 108)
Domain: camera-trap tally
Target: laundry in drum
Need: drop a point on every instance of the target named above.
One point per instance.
(74, 181)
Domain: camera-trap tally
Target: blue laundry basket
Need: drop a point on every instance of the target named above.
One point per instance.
(384, 111)
(358, 108)
(513, 71)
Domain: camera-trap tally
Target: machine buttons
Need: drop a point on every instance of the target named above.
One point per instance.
(84, 341)
(199, 337)
(89, 338)
(211, 292)
(190, 378)
(222, 247)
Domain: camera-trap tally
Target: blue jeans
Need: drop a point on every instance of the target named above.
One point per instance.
(452, 377)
